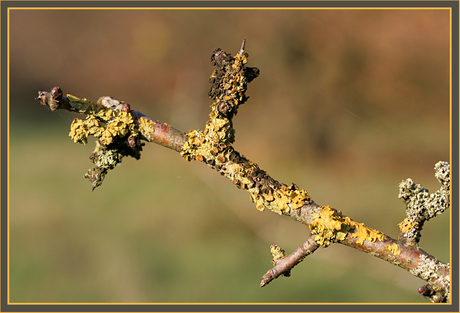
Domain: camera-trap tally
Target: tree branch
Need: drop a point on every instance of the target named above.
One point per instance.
(120, 129)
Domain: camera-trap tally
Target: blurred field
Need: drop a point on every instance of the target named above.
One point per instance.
(348, 104)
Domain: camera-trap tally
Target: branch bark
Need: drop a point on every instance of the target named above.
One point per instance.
(120, 129)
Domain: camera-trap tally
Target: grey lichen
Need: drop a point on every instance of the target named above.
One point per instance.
(419, 202)
(106, 157)
(443, 173)
(421, 205)
(430, 269)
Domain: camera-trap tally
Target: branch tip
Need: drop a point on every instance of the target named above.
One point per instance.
(284, 264)
(242, 47)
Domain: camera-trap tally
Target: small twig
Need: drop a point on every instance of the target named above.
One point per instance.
(286, 264)
(242, 47)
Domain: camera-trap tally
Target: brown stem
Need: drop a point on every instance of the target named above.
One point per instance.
(164, 134)
(411, 258)
(286, 264)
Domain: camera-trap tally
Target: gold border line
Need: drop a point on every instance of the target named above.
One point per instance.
(225, 8)
(213, 8)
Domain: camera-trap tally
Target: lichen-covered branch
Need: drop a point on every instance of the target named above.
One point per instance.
(421, 206)
(119, 131)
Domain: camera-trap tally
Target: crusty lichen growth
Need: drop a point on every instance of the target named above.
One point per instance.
(329, 225)
(393, 248)
(421, 205)
(117, 133)
(101, 122)
(410, 231)
(430, 269)
(146, 127)
(213, 146)
(277, 252)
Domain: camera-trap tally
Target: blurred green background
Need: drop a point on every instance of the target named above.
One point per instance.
(349, 103)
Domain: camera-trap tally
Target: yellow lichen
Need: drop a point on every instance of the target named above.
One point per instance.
(124, 117)
(119, 126)
(407, 225)
(277, 253)
(101, 122)
(362, 232)
(105, 114)
(214, 145)
(297, 198)
(282, 202)
(219, 127)
(330, 225)
(78, 131)
(94, 126)
(259, 202)
(393, 248)
(146, 127)
(278, 200)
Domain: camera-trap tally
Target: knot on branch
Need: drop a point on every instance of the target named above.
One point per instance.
(434, 294)
(54, 99)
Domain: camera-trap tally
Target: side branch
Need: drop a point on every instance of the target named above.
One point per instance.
(284, 264)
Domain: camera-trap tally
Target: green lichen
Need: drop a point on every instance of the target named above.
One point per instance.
(442, 173)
